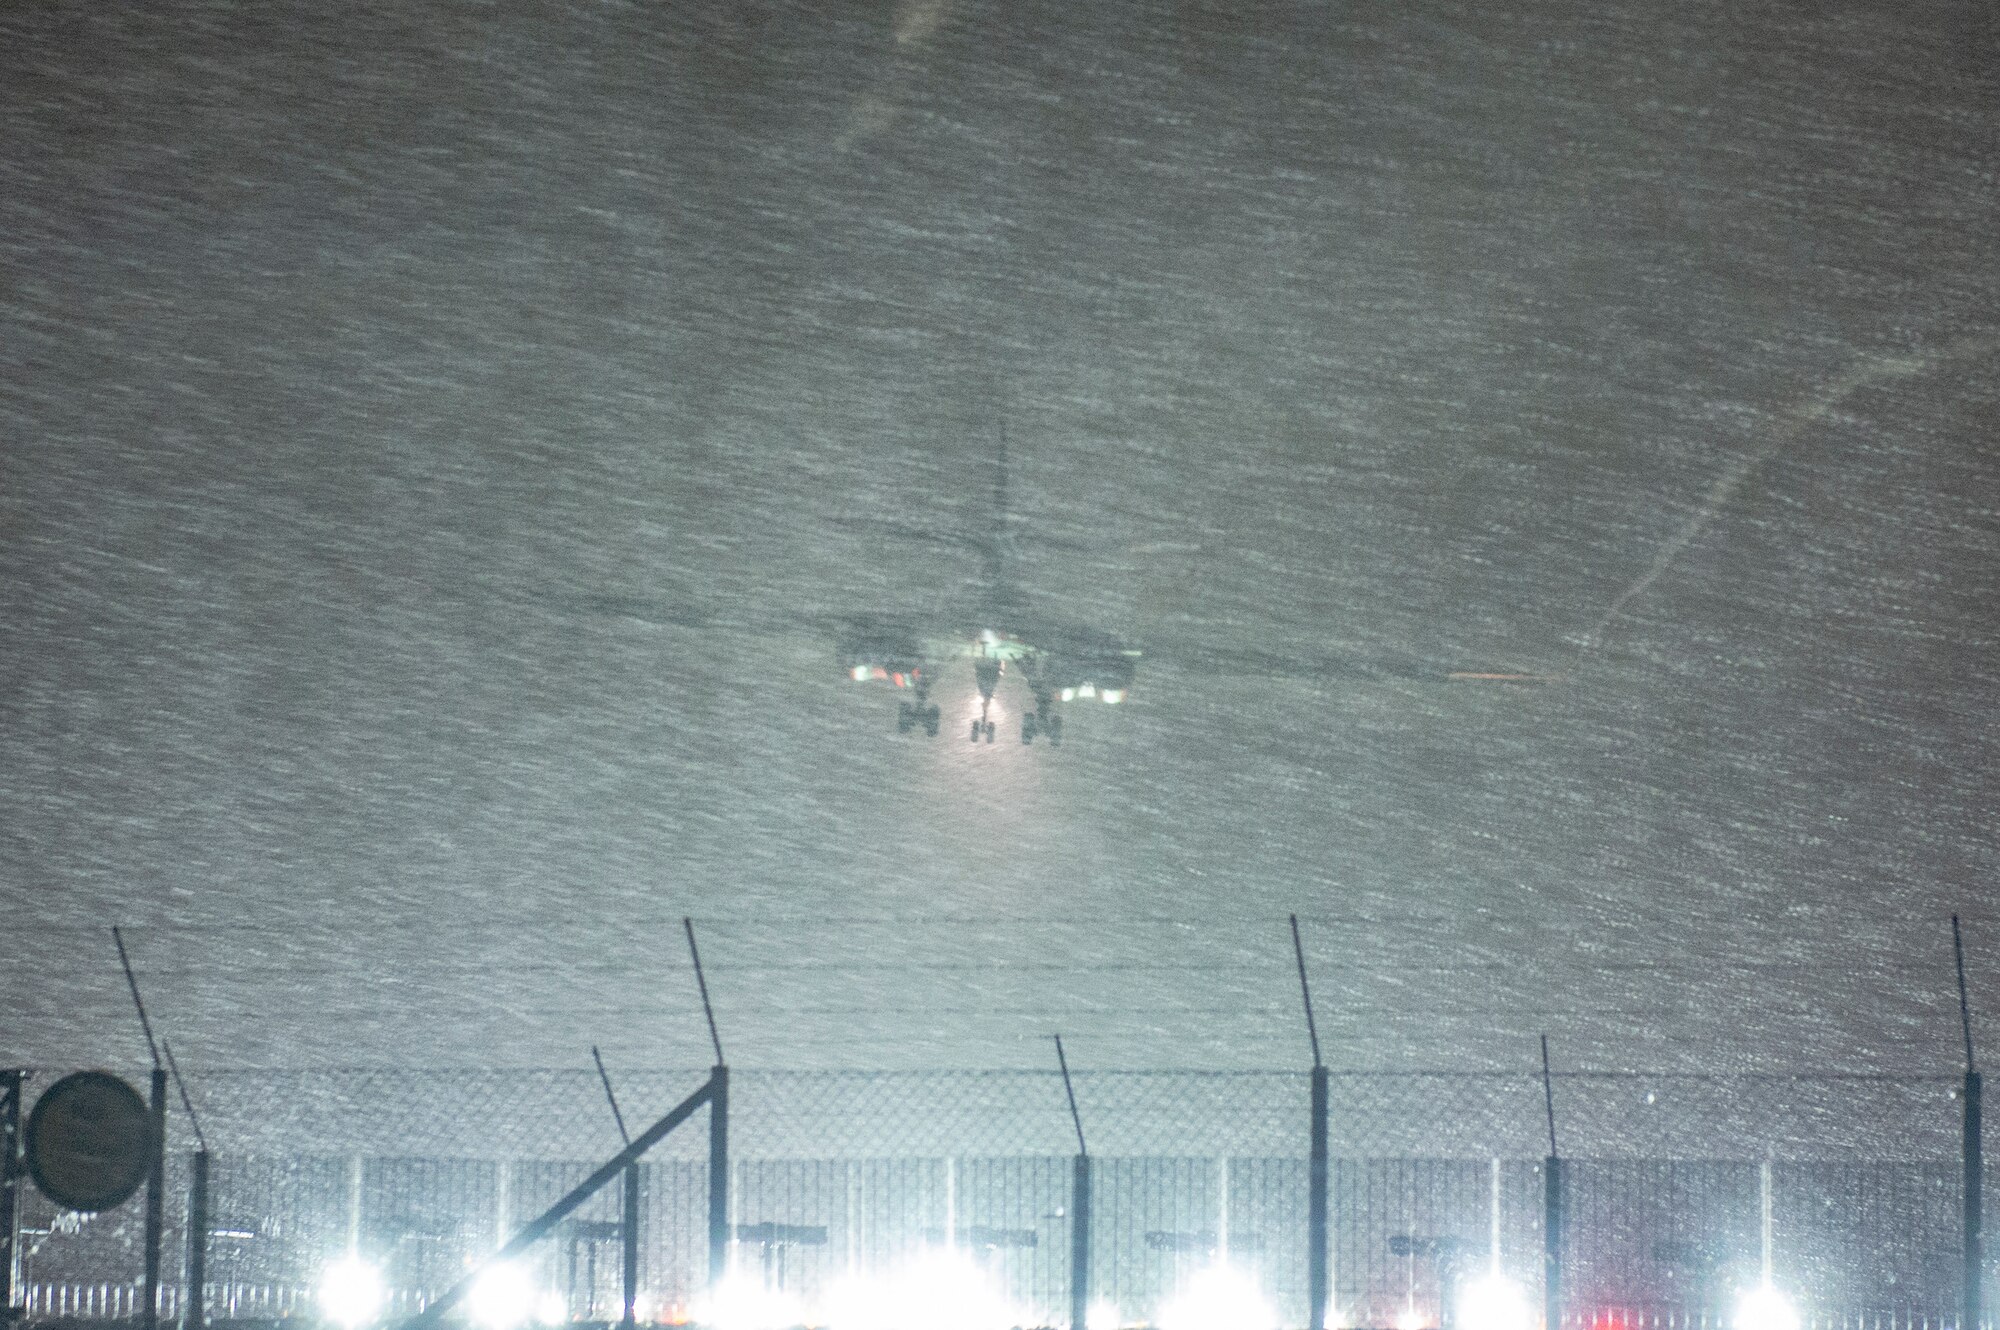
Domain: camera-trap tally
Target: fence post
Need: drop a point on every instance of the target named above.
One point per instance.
(1972, 1300)
(10, 1209)
(718, 1173)
(156, 1197)
(1552, 1235)
(1079, 1244)
(1317, 1281)
(629, 1230)
(194, 1311)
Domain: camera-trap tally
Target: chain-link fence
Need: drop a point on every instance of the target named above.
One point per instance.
(1677, 1192)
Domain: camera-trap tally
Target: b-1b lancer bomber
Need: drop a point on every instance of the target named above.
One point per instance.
(1060, 663)
(1012, 644)
(1057, 663)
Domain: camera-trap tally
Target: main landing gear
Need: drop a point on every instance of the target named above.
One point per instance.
(909, 715)
(1035, 723)
(983, 729)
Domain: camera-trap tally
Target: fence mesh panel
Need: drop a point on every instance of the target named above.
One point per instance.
(1436, 1179)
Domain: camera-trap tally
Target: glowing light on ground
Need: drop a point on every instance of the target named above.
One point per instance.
(740, 1302)
(938, 1290)
(502, 1297)
(1219, 1296)
(1764, 1308)
(1492, 1302)
(1410, 1319)
(351, 1292)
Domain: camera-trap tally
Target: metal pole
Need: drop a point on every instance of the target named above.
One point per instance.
(1552, 1209)
(1552, 1236)
(631, 1235)
(194, 1311)
(1972, 1294)
(718, 1174)
(1317, 1272)
(156, 1196)
(1079, 1244)
(10, 1202)
(1972, 1299)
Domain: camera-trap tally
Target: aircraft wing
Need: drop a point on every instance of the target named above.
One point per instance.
(1336, 665)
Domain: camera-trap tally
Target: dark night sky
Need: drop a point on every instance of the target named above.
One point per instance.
(438, 437)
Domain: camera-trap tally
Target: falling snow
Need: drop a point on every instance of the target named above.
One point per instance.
(442, 442)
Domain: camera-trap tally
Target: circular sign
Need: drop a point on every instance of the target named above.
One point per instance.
(90, 1141)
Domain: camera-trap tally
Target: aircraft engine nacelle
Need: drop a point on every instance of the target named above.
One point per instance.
(866, 672)
(884, 658)
(1105, 679)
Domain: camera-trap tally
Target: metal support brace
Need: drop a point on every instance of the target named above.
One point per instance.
(544, 1224)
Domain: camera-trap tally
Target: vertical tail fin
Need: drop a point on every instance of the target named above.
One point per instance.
(998, 546)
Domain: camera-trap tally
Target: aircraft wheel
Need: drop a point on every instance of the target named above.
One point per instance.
(931, 722)
(991, 730)
(976, 728)
(904, 718)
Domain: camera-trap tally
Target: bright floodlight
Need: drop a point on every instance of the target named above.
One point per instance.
(1409, 1319)
(501, 1298)
(939, 1290)
(1492, 1302)
(738, 1302)
(1764, 1308)
(1102, 1314)
(350, 1292)
(553, 1309)
(1112, 695)
(1219, 1296)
